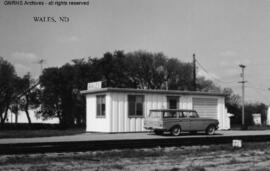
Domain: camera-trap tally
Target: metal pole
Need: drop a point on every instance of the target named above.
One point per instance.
(194, 73)
(243, 99)
(243, 95)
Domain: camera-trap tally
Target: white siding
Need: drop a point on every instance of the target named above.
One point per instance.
(223, 117)
(185, 102)
(206, 107)
(95, 124)
(121, 122)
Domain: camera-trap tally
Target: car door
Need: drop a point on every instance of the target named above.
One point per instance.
(183, 121)
(196, 123)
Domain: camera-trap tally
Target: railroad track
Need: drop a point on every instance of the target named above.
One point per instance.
(76, 146)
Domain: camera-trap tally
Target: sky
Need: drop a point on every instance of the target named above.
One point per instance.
(222, 34)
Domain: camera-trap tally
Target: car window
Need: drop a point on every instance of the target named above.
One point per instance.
(170, 114)
(155, 114)
(194, 115)
(190, 114)
(181, 115)
(186, 114)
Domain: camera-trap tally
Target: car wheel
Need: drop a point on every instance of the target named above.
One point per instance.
(158, 132)
(176, 131)
(210, 130)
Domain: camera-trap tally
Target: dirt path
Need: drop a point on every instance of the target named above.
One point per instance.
(253, 156)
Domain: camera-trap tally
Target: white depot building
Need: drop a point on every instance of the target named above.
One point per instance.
(123, 110)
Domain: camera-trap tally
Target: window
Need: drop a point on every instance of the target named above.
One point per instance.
(172, 102)
(181, 115)
(101, 106)
(170, 114)
(135, 106)
(190, 114)
(155, 114)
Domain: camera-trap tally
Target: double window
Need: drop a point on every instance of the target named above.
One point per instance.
(135, 105)
(101, 106)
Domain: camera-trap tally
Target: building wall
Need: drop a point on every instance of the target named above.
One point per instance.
(95, 124)
(121, 122)
(117, 119)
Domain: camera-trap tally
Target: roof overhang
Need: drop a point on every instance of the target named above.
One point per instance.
(148, 91)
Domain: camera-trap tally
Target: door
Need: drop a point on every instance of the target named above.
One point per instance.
(206, 107)
(196, 123)
(184, 121)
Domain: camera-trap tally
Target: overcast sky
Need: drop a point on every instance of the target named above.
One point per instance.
(222, 34)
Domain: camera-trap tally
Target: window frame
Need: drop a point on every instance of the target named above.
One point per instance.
(135, 106)
(99, 106)
(177, 98)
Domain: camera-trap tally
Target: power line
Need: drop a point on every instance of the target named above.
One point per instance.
(261, 94)
(258, 88)
(211, 75)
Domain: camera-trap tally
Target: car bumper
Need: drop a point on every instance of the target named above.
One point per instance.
(155, 128)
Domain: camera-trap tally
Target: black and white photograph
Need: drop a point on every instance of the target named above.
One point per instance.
(135, 85)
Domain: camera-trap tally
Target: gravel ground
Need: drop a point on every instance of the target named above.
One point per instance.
(253, 156)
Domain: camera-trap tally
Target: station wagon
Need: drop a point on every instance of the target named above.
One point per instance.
(176, 121)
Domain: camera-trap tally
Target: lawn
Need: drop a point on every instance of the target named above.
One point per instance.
(253, 156)
(38, 133)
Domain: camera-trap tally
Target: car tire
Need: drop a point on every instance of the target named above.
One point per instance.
(210, 130)
(176, 131)
(158, 132)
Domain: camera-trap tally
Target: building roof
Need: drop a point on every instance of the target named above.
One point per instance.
(148, 91)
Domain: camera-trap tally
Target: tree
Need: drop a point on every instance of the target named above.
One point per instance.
(51, 100)
(7, 87)
(140, 69)
(29, 96)
(60, 95)
(179, 75)
(113, 68)
(207, 85)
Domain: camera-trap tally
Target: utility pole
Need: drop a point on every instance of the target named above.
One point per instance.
(243, 94)
(41, 61)
(194, 73)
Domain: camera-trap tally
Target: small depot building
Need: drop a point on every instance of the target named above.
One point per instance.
(113, 110)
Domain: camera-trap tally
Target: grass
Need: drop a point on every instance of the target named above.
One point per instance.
(186, 158)
(98, 156)
(38, 133)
